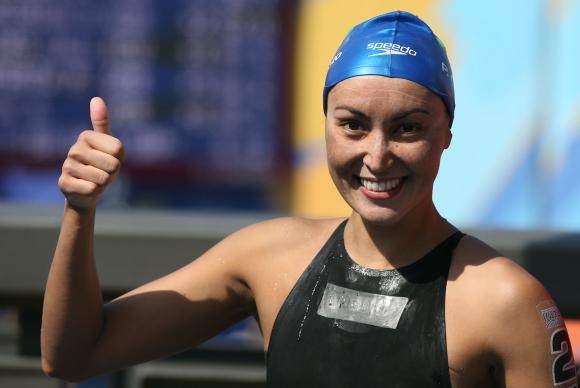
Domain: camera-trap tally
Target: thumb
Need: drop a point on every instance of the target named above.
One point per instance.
(99, 116)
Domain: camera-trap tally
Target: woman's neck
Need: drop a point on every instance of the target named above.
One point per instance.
(393, 246)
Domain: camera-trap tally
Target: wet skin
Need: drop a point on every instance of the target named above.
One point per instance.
(381, 128)
(390, 132)
(386, 133)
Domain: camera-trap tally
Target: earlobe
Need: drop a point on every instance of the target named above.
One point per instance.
(449, 138)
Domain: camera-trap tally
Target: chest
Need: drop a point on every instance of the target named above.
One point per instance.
(468, 365)
(360, 326)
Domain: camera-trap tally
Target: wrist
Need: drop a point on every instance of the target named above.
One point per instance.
(80, 211)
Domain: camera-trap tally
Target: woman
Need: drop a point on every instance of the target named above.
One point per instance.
(393, 296)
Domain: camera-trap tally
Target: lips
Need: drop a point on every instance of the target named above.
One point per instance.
(382, 185)
(380, 189)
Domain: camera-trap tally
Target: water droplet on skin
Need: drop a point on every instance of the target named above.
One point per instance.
(309, 300)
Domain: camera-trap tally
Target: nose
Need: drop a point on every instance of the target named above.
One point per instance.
(379, 154)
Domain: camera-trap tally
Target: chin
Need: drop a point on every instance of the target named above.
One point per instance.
(382, 217)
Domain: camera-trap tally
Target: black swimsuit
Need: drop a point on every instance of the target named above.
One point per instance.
(344, 325)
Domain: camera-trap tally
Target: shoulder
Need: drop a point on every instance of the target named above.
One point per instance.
(283, 229)
(496, 284)
(282, 233)
(499, 301)
(501, 314)
(268, 244)
(270, 256)
(478, 266)
(234, 267)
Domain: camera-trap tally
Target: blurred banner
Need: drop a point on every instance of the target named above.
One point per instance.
(515, 155)
(193, 89)
(199, 92)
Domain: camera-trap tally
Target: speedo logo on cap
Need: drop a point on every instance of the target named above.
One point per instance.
(387, 48)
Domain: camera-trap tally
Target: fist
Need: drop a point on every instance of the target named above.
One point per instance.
(92, 162)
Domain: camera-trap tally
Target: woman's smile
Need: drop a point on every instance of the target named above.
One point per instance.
(385, 137)
(380, 189)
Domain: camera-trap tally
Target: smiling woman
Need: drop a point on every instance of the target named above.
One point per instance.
(384, 139)
(394, 295)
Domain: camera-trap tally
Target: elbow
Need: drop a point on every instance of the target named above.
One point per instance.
(50, 369)
(61, 372)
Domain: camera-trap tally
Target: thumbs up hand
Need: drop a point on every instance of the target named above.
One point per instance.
(92, 162)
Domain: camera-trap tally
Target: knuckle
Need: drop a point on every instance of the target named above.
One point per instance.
(68, 167)
(77, 188)
(75, 152)
(90, 188)
(102, 178)
(85, 135)
(100, 122)
(118, 148)
(63, 183)
(114, 165)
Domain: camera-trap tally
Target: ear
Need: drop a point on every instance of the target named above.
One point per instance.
(448, 138)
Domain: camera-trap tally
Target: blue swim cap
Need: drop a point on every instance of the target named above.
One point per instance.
(398, 45)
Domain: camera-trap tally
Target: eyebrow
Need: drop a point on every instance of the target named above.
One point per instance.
(398, 116)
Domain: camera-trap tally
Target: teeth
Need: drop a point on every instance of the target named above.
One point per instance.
(380, 186)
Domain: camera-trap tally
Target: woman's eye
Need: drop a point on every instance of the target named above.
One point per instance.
(408, 128)
(352, 126)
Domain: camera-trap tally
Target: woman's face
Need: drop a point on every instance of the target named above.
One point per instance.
(384, 140)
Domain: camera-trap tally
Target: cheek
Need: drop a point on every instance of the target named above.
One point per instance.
(421, 157)
(338, 164)
(341, 162)
(336, 151)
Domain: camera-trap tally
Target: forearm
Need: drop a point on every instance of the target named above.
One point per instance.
(73, 308)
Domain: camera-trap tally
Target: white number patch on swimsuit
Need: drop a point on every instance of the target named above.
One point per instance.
(363, 307)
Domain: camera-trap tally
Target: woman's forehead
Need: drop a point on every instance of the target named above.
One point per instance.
(372, 89)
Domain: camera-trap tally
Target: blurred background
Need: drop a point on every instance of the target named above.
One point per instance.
(218, 104)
